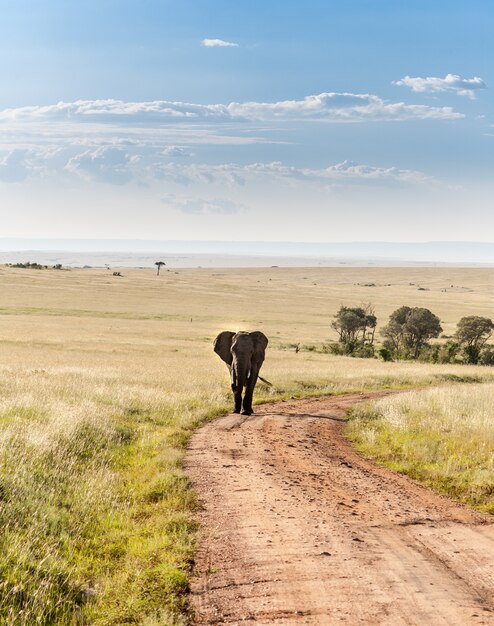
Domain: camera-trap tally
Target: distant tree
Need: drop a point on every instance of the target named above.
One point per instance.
(394, 331)
(355, 327)
(409, 330)
(421, 325)
(159, 265)
(472, 333)
(369, 330)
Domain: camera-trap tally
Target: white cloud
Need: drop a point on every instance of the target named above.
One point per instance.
(451, 82)
(233, 174)
(349, 170)
(116, 142)
(118, 164)
(325, 107)
(218, 43)
(115, 164)
(18, 164)
(108, 164)
(176, 151)
(339, 107)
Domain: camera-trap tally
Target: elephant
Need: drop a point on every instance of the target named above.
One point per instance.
(243, 352)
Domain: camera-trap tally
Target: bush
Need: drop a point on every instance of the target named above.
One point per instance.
(429, 354)
(487, 357)
(337, 348)
(448, 352)
(363, 351)
(385, 353)
(471, 354)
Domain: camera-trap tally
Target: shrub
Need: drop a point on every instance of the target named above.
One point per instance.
(448, 352)
(385, 353)
(487, 357)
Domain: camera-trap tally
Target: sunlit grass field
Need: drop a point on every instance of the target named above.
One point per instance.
(443, 437)
(102, 380)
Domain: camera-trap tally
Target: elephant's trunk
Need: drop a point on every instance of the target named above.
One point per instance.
(240, 377)
(241, 373)
(233, 378)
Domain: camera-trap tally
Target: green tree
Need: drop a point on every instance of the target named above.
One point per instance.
(472, 333)
(409, 330)
(421, 325)
(355, 327)
(159, 264)
(394, 331)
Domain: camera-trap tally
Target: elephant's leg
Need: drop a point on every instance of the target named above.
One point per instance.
(238, 399)
(249, 392)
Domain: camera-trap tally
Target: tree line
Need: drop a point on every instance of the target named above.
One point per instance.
(408, 335)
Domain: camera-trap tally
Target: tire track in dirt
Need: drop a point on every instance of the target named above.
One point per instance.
(297, 528)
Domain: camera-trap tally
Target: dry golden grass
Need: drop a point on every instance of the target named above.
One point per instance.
(442, 437)
(102, 380)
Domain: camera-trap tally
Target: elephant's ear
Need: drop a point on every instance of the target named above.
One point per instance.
(260, 343)
(222, 345)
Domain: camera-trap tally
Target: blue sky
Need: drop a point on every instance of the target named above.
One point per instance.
(280, 120)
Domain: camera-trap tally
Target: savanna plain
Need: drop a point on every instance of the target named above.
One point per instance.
(103, 379)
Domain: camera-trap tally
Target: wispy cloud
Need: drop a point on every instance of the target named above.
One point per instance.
(233, 174)
(218, 43)
(121, 164)
(19, 164)
(108, 164)
(176, 151)
(324, 107)
(451, 82)
(340, 107)
(116, 142)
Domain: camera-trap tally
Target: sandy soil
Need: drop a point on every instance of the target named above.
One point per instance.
(299, 529)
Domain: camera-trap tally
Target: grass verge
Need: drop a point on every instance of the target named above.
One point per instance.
(97, 514)
(443, 437)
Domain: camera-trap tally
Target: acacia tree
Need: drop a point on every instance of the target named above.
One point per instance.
(472, 333)
(394, 331)
(421, 325)
(369, 330)
(159, 264)
(409, 330)
(355, 326)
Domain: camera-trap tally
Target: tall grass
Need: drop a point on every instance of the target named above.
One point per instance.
(443, 437)
(95, 510)
(56, 483)
(101, 384)
(97, 514)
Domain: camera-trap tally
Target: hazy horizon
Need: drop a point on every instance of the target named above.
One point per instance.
(134, 252)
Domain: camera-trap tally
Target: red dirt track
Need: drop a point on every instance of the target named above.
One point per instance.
(297, 528)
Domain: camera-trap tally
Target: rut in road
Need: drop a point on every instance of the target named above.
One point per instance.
(297, 528)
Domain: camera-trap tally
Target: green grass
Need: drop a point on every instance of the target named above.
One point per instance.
(442, 437)
(97, 513)
(102, 384)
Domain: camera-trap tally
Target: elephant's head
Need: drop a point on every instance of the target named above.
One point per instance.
(244, 353)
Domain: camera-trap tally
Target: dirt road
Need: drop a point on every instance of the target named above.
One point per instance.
(299, 529)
